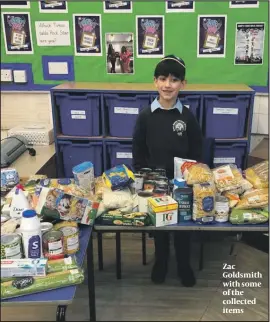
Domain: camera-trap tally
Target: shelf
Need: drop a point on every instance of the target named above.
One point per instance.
(245, 139)
(69, 137)
(113, 138)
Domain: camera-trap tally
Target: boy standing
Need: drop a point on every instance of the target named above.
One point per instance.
(163, 131)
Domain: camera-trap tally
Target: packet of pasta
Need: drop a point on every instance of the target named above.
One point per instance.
(258, 174)
(204, 202)
(227, 177)
(255, 198)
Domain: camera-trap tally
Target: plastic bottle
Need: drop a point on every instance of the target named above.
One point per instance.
(19, 203)
(31, 234)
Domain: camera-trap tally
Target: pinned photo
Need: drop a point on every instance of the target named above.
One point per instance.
(49, 6)
(120, 53)
(179, 6)
(117, 6)
(211, 41)
(17, 33)
(87, 35)
(150, 36)
(244, 4)
(249, 43)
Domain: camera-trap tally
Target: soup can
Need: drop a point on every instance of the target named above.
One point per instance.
(222, 209)
(71, 239)
(11, 246)
(53, 244)
(149, 185)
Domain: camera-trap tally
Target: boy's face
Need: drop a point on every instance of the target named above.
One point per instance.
(169, 87)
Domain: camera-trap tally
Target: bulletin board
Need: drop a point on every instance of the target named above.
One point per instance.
(180, 38)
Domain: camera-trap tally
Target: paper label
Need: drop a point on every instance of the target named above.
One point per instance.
(224, 160)
(126, 110)
(13, 252)
(73, 243)
(56, 247)
(223, 173)
(68, 260)
(78, 117)
(247, 215)
(78, 112)
(124, 155)
(222, 110)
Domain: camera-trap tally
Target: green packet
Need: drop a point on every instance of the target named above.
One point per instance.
(30, 285)
(116, 218)
(249, 216)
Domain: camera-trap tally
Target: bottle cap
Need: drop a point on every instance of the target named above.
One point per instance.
(29, 213)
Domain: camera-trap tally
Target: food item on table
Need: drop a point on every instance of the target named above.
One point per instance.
(138, 183)
(84, 176)
(249, 216)
(227, 177)
(255, 198)
(204, 202)
(118, 177)
(184, 197)
(53, 244)
(19, 202)
(232, 197)
(31, 285)
(100, 186)
(9, 179)
(11, 246)
(245, 186)
(115, 217)
(63, 264)
(9, 226)
(45, 227)
(163, 211)
(23, 267)
(258, 174)
(149, 185)
(70, 231)
(4, 218)
(116, 199)
(31, 183)
(222, 209)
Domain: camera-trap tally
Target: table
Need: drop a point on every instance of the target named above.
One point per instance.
(62, 297)
(190, 226)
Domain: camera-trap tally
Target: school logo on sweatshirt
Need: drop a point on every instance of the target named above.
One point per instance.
(179, 127)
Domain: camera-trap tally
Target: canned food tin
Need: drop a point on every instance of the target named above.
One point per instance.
(222, 209)
(11, 246)
(53, 244)
(159, 192)
(149, 185)
(4, 218)
(152, 175)
(161, 172)
(138, 184)
(163, 186)
(71, 239)
(45, 227)
(161, 178)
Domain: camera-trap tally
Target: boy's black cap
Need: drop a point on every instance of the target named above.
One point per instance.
(171, 64)
(175, 58)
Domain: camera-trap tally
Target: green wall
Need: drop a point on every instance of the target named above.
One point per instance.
(180, 39)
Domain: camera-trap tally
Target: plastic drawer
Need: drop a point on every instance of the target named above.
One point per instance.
(123, 112)
(234, 153)
(119, 153)
(225, 117)
(74, 153)
(79, 114)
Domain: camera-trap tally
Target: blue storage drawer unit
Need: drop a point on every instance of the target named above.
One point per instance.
(74, 153)
(122, 113)
(79, 114)
(118, 153)
(225, 117)
(235, 153)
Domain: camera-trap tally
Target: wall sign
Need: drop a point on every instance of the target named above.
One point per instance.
(53, 6)
(52, 33)
(116, 6)
(179, 6)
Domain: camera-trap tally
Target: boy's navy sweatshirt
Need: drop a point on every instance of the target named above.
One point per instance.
(161, 135)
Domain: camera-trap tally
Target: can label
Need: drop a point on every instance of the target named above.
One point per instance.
(34, 247)
(55, 248)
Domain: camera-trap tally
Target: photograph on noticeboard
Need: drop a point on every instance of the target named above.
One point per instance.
(211, 37)
(249, 43)
(244, 4)
(150, 36)
(117, 6)
(52, 6)
(119, 53)
(87, 34)
(17, 33)
(179, 6)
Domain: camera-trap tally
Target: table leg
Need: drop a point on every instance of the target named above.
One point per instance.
(118, 255)
(91, 281)
(100, 251)
(61, 313)
(144, 248)
(201, 250)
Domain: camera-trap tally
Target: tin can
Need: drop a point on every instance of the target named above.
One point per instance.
(45, 227)
(149, 185)
(144, 171)
(222, 209)
(11, 246)
(4, 218)
(138, 184)
(160, 192)
(71, 239)
(162, 178)
(184, 197)
(161, 172)
(143, 200)
(53, 244)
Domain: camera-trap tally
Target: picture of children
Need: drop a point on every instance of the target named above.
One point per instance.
(51, 200)
(119, 59)
(64, 206)
(77, 209)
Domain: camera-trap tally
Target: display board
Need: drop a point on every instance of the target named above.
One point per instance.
(211, 37)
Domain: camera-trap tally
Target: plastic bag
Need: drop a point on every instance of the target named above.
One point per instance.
(227, 177)
(249, 216)
(204, 202)
(245, 186)
(255, 198)
(232, 197)
(258, 174)
(191, 171)
(116, 199)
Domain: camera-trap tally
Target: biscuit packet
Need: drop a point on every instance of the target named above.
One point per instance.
(257, 175)
(254, 198)
(227, 177)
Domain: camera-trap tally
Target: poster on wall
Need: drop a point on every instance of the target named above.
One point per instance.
(119, 53)
(53, 6)
(211, 37)
(15, 4)
(249, 43)
(87, 35)
(244, 4)
(179, 6)
(150, 36)
(52, 33)
(117, 6)
(17, 33)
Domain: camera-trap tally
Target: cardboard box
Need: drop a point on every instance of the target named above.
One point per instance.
(260, 153)
(115, 218)
(23, 267)
(163, 211)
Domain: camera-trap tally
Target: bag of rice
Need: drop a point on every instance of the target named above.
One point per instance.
(258, 174)
(204, 202)
(227, 177)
